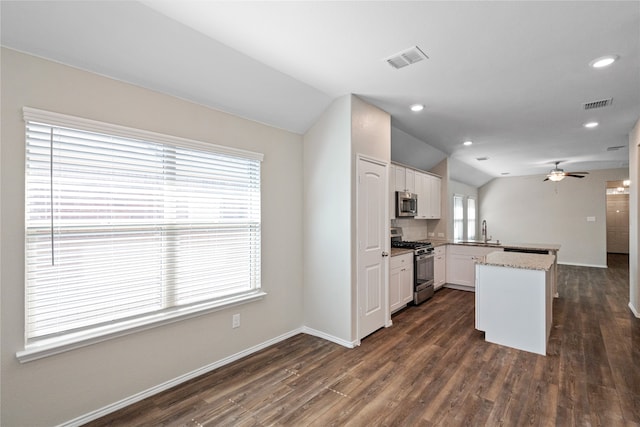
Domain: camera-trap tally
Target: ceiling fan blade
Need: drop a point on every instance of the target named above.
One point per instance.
(574, 175)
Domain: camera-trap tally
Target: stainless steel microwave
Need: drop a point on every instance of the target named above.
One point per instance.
(406, 204)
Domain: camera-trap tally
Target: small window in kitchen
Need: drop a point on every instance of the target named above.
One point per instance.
(126, 228)
(471, 218)
(458, 217)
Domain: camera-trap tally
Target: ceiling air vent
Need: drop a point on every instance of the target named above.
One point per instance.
(616, 148)
(406, 57)
(482, 159)
(597, 104)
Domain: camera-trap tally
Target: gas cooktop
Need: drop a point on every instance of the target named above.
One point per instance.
(410, 244)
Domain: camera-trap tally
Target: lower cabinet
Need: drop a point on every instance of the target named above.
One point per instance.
(400, 281)
(439, 267)
(461, 264)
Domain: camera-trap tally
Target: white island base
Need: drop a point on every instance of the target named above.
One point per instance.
(514, 304)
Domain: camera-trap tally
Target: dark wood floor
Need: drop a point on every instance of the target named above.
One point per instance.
(432, 368)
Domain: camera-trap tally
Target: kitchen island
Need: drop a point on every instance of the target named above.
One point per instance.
(514, 299)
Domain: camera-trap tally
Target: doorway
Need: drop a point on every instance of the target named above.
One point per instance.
(617, 217)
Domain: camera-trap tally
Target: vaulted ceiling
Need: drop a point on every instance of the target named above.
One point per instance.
(512, 77)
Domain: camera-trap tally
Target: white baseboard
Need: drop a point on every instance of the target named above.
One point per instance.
(176, 381)
(577, 264)
(319, 334)
(634, 310)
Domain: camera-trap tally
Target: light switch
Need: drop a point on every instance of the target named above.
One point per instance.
(591, 219)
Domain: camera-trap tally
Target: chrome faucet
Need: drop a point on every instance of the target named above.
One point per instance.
(484, 231)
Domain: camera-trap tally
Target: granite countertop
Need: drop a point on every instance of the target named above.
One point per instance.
(518, 260)
(400, 251)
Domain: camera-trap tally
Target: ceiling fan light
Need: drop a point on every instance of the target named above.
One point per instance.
(556, 176)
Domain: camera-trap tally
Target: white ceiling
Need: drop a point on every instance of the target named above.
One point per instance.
(511, 76)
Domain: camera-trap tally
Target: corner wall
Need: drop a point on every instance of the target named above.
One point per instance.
(327, 224)
(60, 388)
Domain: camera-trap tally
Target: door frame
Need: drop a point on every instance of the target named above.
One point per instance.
(387, 246)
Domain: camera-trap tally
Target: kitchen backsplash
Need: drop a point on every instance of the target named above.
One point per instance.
(413, 229)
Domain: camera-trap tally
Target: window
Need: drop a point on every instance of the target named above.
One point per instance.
(458, 217)
(464, 217)
(125, 228)
(471, 218)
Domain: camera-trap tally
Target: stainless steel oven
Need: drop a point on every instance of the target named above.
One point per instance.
(423, 275)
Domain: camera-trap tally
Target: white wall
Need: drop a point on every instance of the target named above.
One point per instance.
(59, 388)
(371, 137)
(327, 223)
(528, 210)
(347, 128)
(634, 219)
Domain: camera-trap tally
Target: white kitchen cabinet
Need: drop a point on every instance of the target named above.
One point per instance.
(392, 191)
(435, 188)
(422, 190)
(400, 281)
(405, 179)
(439, 266)
(460, 264)
(428, 190)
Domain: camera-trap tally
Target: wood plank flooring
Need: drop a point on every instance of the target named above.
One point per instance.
(431, 368)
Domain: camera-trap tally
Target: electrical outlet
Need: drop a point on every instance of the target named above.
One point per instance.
(440, 234)
(235, 320)
(431, 234)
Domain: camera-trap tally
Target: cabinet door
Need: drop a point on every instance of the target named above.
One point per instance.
(394, 289)
(401, 178)
(460, 269)
(406, 284)
(439, 267)
(392, 192)
(400, 281)
(422, 190)
(435, 187)
(410, 180)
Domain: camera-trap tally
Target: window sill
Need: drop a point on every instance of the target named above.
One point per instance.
(52, 346)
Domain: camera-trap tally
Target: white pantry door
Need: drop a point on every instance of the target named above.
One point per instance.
(373, 243)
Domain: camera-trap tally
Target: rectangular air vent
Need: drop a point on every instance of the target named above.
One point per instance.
(482, 159)
(616, 148)
(406, 57)
(597, 104)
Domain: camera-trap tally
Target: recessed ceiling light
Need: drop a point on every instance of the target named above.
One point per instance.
(467, 143)
(603, 61)
(590, 125)
(417, 107)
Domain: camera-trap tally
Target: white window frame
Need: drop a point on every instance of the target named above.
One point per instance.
(38, 348)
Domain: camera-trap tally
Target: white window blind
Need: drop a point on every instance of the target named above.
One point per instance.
(471, 218)
(123, 225)
(458, 217)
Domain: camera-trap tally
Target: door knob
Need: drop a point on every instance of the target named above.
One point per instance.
(385, 253)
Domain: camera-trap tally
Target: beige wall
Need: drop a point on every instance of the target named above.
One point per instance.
(528, 210)
(634, 219)
(60, 388)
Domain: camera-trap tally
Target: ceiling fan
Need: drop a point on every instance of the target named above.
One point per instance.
(558, 174)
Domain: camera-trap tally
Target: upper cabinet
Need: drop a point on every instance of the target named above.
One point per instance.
(428, 189)
(405, 179)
